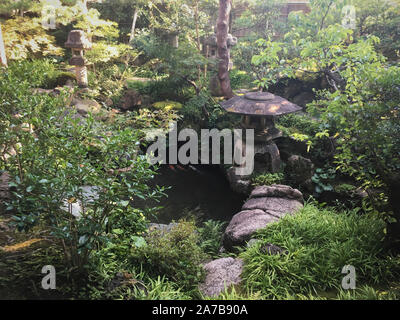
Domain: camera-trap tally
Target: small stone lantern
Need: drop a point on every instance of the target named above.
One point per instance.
(168, 36)
(258, 111)
(210, 48)
(78, 43)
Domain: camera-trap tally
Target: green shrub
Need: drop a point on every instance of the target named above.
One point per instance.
(193, 110)
(240, 79)
(319, 244)
(211, 237)
(61, 156)
(40, 73)
(59, 79)
(175, 255)
(25, 38)
(299, 123)
(266, 179)
(112, 278)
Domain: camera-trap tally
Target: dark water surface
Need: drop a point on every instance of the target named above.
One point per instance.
(201, 190)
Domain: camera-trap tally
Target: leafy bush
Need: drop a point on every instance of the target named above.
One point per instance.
(299, 123)
(323, 179)
(112, 278)
(66, 171)
(240, 79)
(319, 244)
(211, 237)
(175, 255)
(266, 179)
(40, 73)
(26, 38)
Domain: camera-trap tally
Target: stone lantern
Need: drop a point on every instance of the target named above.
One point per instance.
(210, 48)
(258, 111)
(168, 36)
(78, 43)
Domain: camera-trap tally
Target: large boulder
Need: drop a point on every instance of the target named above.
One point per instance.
(277, 207)
(220, 274)
(243, 225)
(267, 204)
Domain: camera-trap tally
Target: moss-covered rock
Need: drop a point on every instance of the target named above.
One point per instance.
(167, 105)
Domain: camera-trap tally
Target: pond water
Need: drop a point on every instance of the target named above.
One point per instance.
(200, 190)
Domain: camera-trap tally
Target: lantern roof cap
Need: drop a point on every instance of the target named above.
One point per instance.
(262, 104)
(77, 40)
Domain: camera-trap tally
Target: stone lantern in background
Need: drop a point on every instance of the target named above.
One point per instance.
(78, 42)
(210, 51)
(168, 36)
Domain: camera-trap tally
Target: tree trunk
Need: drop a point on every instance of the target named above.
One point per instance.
(3, 58)
(198, 43)
(135, 16)
(223, 50)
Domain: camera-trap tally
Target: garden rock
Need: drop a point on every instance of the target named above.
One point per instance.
(267, 204)
(84, 106)
(303, 99)
(277, 207)
(220, 274)
(130, 100)
(288, 146)
(243, 225)
(238, 183)
(300, 170)
(277, 191)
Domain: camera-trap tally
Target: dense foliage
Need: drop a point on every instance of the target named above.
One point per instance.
(51, 171)
(78, 176)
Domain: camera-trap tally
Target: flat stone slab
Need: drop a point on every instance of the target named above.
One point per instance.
(277, 191)
(243, 225)
(277, 207)
(220, 274)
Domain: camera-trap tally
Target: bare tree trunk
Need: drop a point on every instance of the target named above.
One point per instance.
(3, 58)
(135, 16)
(223, 50)
(198, 44)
